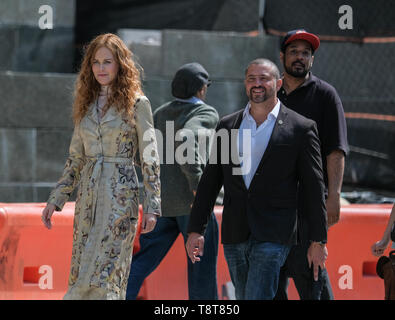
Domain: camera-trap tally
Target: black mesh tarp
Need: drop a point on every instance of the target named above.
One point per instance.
(360, 63)
(109, 16)
(371, 20)
(95, 17)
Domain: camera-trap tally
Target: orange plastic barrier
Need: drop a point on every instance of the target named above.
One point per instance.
(35, 261)
(350, 264)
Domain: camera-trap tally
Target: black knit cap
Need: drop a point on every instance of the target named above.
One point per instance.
(188, 80)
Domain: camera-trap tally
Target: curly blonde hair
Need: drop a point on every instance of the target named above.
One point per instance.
(125, 88)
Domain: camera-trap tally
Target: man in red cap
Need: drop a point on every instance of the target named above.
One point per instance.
(315, 99)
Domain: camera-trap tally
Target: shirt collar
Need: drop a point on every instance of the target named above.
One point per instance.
(273, 113)
(309, 80)
(192, 99)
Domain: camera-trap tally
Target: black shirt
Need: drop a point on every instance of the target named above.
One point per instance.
(318, 100)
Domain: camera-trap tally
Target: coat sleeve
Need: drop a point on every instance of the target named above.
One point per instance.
(202, 125)
(208, 188)
(311, 182)
(149, 156)
(71, 172)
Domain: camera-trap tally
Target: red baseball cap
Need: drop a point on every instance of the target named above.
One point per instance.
(300, 34)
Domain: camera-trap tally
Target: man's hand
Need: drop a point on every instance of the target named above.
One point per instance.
(148, 222)
(194, 246)
(316, 256)
(333, 209)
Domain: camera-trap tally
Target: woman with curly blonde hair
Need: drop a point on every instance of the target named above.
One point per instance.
(112, 122)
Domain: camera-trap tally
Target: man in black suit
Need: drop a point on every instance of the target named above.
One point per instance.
(259, 221)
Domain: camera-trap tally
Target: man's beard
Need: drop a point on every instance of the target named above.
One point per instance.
(297, 73)
(261, 97)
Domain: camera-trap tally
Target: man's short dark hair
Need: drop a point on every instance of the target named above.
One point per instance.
(262, 61)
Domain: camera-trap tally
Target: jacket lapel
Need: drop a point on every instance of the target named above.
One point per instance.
(110, 115)
(279, 127)
(238, 118)
(92, 113)
(233, 147)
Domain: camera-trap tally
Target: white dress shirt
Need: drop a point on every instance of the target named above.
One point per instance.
(252, 149)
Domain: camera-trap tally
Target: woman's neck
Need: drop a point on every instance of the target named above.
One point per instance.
(102, 99)
(104, 90)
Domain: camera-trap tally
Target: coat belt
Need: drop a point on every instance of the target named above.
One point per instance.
(103, 159)
(96, 164)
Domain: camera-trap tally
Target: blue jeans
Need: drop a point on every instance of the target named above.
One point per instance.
(254, 268)
(202, 276)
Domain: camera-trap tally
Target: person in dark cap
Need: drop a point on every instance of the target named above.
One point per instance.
(187, 115)
(317, 100)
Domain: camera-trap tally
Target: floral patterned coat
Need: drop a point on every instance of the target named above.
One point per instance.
(102, 160)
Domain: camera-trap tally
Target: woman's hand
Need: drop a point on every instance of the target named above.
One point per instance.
(379, 247)
(47, 214)
(148, 222)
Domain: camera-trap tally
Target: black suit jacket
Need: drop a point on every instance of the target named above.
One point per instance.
(267, 210)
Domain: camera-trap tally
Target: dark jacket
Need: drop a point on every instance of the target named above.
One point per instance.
(178, 181)
(267, 210)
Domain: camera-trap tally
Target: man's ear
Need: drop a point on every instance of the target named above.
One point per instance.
(201, 93)
(312, 61)
(279, 84)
